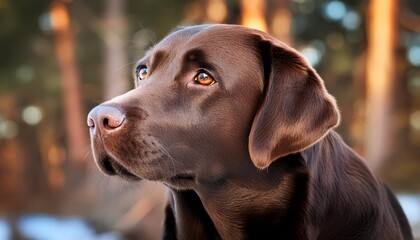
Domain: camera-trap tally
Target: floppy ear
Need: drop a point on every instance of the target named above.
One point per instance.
(296, 109)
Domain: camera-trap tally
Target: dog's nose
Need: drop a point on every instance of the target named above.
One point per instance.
(105, 118)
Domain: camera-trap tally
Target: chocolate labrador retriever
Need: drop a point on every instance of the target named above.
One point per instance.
(239, 127)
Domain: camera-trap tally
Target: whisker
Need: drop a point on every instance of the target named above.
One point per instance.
(147, 33)
(124, 65)
(97, 101)
(169, 156)
(87, 154)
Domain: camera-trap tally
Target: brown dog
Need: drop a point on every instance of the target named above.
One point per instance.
(239, 127)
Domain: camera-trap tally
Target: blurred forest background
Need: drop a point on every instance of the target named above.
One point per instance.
(59, 59)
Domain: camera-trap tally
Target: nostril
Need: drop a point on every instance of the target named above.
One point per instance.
(105, 122)
(112, 122)
(90, 122)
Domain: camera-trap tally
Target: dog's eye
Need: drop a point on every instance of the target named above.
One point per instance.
(204, 79)
(142, 73)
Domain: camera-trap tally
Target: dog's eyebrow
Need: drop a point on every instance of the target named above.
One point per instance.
(158, 58)
(196, 57)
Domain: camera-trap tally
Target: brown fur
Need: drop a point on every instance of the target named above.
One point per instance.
(252, 156)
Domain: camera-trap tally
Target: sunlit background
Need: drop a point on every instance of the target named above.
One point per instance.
(58, 59)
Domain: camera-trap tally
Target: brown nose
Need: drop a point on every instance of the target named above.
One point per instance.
(105, 119)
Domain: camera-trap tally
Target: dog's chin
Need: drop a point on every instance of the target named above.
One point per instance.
(111, 167)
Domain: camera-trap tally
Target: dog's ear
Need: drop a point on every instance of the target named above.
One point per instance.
(296, 110)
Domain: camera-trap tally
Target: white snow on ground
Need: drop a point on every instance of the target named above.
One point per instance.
(411, 207)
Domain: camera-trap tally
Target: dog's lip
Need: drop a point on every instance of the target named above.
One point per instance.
(183, 176)
(181, 179)
(111, 167)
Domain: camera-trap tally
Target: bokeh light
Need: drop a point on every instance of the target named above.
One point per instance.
(312, 54)
(414, 85)
(32, 115)
(216, 11)
(415, 120)
(334, 10)
(25, 73)
(45, 22)
(351, 20)
(306, 6)
(5, 231)
(413, 55)
(8, 129)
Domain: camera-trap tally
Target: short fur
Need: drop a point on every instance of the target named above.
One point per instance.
(252, 156)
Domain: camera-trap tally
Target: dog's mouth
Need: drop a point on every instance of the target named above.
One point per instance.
(111, 167)
(183, 180)
(183, 177)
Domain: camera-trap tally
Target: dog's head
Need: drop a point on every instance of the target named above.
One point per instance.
(209, 100)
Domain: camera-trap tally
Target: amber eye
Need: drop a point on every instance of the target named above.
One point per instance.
(142, 73)
(204, 79)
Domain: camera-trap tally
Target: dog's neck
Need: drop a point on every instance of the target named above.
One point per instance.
(249, 206)
(234, 206)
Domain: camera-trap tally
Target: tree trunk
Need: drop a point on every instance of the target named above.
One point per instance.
(281, 22)
(253, 14)
(115, 35)
(380, 75)
(70, 84)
